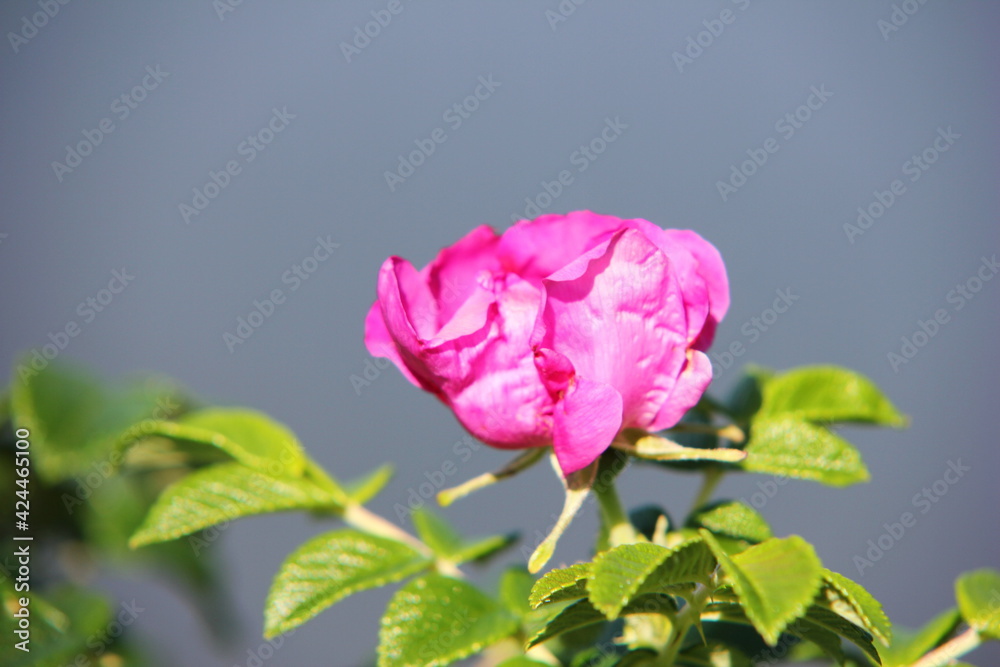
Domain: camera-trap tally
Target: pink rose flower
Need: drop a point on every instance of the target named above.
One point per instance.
(562, 331)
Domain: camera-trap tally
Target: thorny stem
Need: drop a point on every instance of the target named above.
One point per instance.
(688, 616)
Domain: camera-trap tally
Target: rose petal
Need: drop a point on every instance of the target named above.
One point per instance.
(713, 271)
(618, 314)
(536, 248)
(691, 384)
(400, 292)
(493, 385)
(380, 343)
(585, 423)
(452, 276)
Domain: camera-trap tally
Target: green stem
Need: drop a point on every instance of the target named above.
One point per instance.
(688, 616)
(619, 527)
(713, 475)
(949, 651)
(355, 514)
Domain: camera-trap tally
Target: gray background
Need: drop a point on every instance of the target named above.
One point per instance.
(324, 175)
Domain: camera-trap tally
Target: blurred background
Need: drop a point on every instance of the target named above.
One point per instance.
(204, 150)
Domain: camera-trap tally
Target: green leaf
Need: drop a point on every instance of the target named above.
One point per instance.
(221, 493)
(83, 620)
(515, 589)
(746, 397)
(618, 573)
(582, 613)
(828, 620)
(478, 550)
(978, 595)
(250, 437)
(687, 563)
(826, 640)
(569, 583)
(367, 487)
(854, 603)
(828, 394)
(732, 518)
(435, 620)
(775, 580)
(74, 419)
(908, 646)
(446, 542)
(795, 448)
(330, 567)
(621, 573)
(436, 533)
(658, 448)
(522, 661)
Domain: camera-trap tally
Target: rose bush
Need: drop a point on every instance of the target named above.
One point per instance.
(562, 331)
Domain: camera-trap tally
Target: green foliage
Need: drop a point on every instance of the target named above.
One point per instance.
(582, 614)
(70, 625)
(251, 438)
(848, 599)
(435, 620)
(793, 447)
(447, 543)
(368, 486)
(568, 583)
(775, 580)
(732, 518)
(330, 567)
(978, 595)
(75, 419)
(515, 589)
(718, 590)
(620, 574)
(788, 415)
(907, 646)
(224, 492)
(827, 394)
